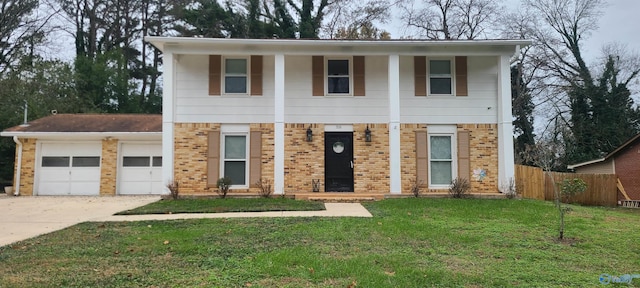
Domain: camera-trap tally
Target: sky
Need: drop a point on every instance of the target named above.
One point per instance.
(619, 23)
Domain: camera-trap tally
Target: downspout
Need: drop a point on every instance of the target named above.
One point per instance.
(19, 166)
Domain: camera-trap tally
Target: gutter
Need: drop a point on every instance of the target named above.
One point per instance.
(19, 166)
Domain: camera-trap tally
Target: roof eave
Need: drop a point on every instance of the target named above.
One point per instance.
(586, 163)
(161, 41)
(23, 134)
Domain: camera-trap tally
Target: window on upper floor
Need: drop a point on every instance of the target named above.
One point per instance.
(340, 76)
(235, 75)
(338, 79)
(440, 77)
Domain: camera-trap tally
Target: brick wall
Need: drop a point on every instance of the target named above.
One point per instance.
(27, 173)
(627, 164)
(371, 159)
(190, 158)
(304, 160)
(484, 155)
(108, 167)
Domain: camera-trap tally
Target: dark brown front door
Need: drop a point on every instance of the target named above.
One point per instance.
(338, 161)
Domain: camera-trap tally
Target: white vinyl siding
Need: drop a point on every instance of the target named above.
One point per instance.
(480, 106)
(194, 105)
(302, 107)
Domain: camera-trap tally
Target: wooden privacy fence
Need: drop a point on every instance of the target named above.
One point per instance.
(532, 183)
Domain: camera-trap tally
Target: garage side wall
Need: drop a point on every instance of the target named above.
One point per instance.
(27, 172)
(109, 167)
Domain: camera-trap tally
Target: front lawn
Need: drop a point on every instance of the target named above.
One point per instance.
(217, 205)
(408, 243)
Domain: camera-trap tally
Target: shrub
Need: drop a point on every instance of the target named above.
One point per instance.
(511, 189)
(174, 189)
(415, 187)
(223, 184)
(265, 188)
(459, 188)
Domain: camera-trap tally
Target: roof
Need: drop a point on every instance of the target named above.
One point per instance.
(202, 45)
(90, 123)
(608, 156)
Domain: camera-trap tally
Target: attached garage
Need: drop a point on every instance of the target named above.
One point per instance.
(140, 169)
(88, 154)
(68, 169)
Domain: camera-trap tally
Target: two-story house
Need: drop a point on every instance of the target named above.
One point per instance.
(370, 117)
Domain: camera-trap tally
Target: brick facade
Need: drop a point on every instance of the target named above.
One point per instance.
(304, 160)
(190, 157)
(27, 173)
(108, 167)
(371, 159)
(483, 155)
(628, 169)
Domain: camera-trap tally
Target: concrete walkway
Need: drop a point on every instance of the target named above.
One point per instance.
(25, 217)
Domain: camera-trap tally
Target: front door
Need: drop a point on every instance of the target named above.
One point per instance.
(338, 161)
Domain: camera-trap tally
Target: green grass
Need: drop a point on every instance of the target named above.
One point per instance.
(216, 205)
(408, 243)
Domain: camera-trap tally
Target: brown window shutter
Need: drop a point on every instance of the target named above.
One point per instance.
(255, 158)
(213, 158)
(358, 76)
(317, 67)
(256, 75)
(464, 165)
(215, 74)
(422, 158)
(461, 76)
(420, 75)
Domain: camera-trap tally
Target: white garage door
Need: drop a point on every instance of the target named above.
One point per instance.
(140, 169)
(69, 169)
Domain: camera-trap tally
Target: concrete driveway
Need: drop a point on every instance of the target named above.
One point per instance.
(24, 217)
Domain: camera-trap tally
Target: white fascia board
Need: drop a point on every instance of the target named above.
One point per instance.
(185, 45)
(585, 163)
(85, 135)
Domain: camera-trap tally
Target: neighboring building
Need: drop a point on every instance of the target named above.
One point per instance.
(88, 154)
(624, 161)
(370, 117)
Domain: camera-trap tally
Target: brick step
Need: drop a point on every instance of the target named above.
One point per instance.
(339, 197)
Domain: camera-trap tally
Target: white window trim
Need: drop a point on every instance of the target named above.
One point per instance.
(443, 130)
(224, 76)
(326, 77)
(453, 76)
(236, 130)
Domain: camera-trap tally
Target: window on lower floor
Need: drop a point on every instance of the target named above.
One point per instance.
(55, 161)
(86, 161)
(442, 155)
(234, 158)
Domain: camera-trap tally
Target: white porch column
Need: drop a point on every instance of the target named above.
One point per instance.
(395, 181)
(506, 168)
(168, 100)
(278, 103)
